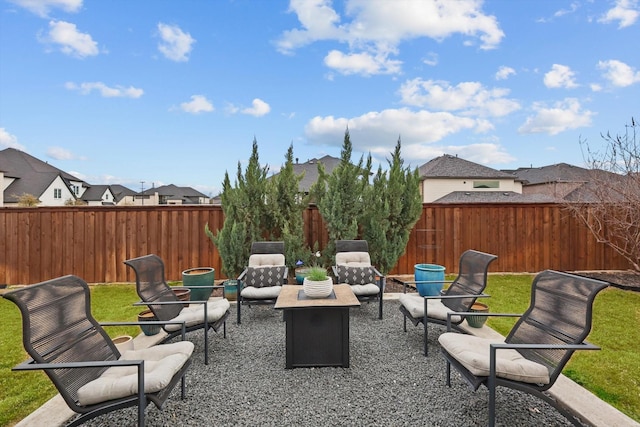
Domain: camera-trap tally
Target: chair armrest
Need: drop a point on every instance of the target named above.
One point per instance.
(244, 273)
(204, 287)
(456, 296)
(469, 313)
(582, 346)
(31, 365)
(334, 268)
(150, 322)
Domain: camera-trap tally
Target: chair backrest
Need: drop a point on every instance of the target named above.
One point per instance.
(57, 326)
(354, 253)
(266, 254)
(559, 313)
(471, 280)
(352, 246)
(152, 287)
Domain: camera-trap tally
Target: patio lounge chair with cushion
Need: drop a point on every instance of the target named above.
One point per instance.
(154, 292)
(538, 347)
(353, 267)
(459, 296)
(63, 339)
(261, 281)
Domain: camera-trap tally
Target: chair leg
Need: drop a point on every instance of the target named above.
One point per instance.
(183, 393)
(492, 386)
(448, 374)
(380, 311)
(206, 339)
(239, 303)
(142, 399)
(424, 322)
(404, 321)
(224, 329)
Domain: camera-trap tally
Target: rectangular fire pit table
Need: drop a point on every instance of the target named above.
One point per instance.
(317, 329)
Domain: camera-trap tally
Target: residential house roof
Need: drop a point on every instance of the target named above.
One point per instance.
(310, 170)
(448, 166)
(560, 172)
(31, 175)
(188, 195)
(494, 197)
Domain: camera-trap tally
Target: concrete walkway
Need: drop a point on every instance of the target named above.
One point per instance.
(593, 410)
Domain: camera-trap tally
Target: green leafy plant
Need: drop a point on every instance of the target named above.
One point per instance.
(317, 274)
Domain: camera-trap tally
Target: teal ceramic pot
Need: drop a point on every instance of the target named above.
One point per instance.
(429, 273)
(199, 276)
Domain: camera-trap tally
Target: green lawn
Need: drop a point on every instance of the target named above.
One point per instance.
(612, 373)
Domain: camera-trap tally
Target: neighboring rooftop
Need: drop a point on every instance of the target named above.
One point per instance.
(494, 197)
(448, 166)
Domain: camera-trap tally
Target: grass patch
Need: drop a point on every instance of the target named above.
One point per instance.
(21, 393)
(612, 373)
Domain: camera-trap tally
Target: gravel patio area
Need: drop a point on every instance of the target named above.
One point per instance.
(389, 383)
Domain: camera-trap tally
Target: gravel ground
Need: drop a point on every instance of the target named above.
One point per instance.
(389, 383)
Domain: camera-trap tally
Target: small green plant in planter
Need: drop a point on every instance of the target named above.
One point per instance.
(317, 274)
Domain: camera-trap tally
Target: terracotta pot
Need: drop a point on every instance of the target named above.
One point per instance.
(123, 343)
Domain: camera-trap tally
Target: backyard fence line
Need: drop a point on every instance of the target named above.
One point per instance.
(41, 243)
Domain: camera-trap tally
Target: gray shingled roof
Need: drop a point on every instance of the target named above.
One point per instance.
(32, 175)
(494, 197)
(310, 170)
(560, 172)
(448, 166)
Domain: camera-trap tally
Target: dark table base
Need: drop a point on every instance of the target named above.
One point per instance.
(317, 336)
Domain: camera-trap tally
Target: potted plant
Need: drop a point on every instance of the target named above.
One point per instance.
(193, 278)
(317, 284)
(478, 321)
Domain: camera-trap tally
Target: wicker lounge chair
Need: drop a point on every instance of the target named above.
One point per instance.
(63, 339)
(459, 296)
(165, 305)
(538, 347)
(353, 267)
(261, 281)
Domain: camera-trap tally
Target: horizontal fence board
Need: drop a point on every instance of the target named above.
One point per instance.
(37, 244)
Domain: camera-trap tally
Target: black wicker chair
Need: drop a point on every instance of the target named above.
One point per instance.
(538, 347)
(155, 293)
(63, 339)
(261, 281)
(459, 296)
(353, 267)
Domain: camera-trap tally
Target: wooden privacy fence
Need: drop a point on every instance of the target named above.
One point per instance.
(92, 242)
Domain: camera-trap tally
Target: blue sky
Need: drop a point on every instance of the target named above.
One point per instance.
(174, 92)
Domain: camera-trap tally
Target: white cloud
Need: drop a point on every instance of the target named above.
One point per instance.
(504, 73)
(258, 108)
(72, 42)
(42, 7)
(361, 63)
(619, 73)
(382, 128)
(8, 140)
(377, 133)
(377, 28)
(626, 12)
(59, 153)
(560, 76)
(175, 44)
(564, 115)
(198, 104)
(470, 98)
(106, 91)
(431, 59)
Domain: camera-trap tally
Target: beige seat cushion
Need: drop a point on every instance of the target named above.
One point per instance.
(435, 308)
(353, 259)
(268, 292)
(363, 290)
(194, 314)
(266, 260)
(473, 353)
(161, 362)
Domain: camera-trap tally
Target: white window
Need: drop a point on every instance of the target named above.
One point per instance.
(57, 193)
(486, 184)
